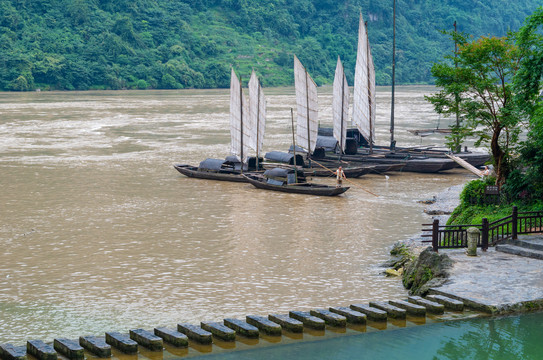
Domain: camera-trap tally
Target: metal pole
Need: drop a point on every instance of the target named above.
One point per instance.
(456, 97)
(392, 141)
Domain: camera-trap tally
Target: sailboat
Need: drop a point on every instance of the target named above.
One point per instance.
(247, 124)
(340, 106)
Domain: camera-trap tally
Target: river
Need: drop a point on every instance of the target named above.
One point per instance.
(100, 233)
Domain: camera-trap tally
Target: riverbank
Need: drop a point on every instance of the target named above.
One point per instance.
(493, 282)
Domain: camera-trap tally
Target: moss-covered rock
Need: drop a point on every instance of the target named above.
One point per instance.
(430, 269)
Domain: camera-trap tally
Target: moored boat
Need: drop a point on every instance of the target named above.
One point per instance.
(286, 180)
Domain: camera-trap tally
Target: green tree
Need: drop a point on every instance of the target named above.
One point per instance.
(528, 85)
(476, 85)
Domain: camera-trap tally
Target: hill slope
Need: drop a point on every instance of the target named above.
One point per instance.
(115, 44)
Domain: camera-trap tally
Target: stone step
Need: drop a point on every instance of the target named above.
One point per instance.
(353, 316)
(329, 317)
(242, 328)
(195, 333)
(264, 324)
(12, 352)
(452, 304)
(527, 242)
(372, 313)
(41, 350)
(219, 330)
(392, 311)
(412, 309)
(431, 306)
(69, 348)
(287, 322)
(122, 342)
(96, 345)
(520, 251)
(308, 320)
(147, 339)
(172, 336)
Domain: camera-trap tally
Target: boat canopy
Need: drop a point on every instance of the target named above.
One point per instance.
(328, 143)
(280, 176)
(211, 165)
(285, 158)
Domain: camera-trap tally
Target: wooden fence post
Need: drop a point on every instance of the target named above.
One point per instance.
(484, 235)
(514, 224)
(435, 234)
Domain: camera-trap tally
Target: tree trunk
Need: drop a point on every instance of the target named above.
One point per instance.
(499, 157)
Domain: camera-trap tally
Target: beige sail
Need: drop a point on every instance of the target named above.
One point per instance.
(257, 114)
(307, 108)
(239, 123)
(364, 86)
(340, 105)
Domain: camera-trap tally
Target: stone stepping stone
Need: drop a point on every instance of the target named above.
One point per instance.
(264, 324)
(219, 330)
(41, 350)
(287, 322)
(372, 313)
(96, 345)
(195, 333)
(449, 303)
(308, 320)
(242, 328)
(147, 339)
(122, 342)
(12, 352)
(171, 336)
(392, 311)
(354, 317)
(69, 348)
(431, 306)
(412, 309)
(329, 317)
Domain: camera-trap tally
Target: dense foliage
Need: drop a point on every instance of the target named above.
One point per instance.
(475, 85)
(114, 44)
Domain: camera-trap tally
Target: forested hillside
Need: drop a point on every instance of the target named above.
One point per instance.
(116, 44)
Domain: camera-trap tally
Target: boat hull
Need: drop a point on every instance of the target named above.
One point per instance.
(193, 172)
(302, 188)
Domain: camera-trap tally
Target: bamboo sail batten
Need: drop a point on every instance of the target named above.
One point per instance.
(306, 108)
(239, 120)
(340, 105)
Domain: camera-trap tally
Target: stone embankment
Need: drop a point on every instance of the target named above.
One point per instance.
(505, 279)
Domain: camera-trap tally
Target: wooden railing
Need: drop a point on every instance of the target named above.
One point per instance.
(455, 236)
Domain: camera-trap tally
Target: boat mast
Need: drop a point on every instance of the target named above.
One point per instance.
(341, 147)
(368, 54)
(257, 124)
(241, 119)
(294, 145)
(307, 111)
(392, 141)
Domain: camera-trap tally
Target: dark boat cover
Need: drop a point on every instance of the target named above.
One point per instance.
(285, 158)
(211, 165)
(328, 143)
(279, 176)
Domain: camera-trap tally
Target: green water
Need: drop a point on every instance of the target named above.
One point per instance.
(508, 338)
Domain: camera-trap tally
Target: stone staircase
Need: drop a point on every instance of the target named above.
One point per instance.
(526, 245)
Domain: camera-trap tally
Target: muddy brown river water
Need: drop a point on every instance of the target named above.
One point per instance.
(100, 233)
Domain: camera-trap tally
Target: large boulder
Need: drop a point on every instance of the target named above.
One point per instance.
(429, 270)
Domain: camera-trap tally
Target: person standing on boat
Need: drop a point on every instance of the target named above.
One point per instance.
(340, 175)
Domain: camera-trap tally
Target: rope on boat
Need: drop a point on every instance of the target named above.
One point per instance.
(352, 183)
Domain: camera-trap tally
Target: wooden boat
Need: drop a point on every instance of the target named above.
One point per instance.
(213, 169)
(284, 180)
(247, 125)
